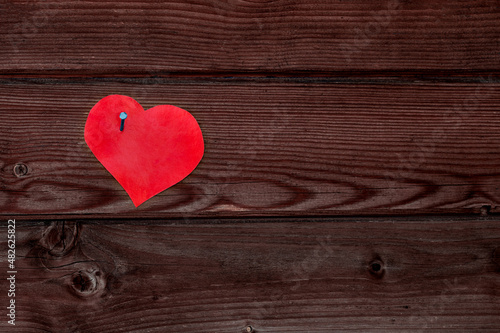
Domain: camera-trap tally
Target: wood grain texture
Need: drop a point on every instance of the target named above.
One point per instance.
(164, 37)
(315, 275)
(271, 149)
(309, 109)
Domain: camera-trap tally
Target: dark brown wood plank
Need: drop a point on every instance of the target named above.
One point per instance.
(314, 275)
(166, 37)
(272, 148)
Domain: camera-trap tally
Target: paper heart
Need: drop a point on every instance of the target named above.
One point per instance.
(156, 149)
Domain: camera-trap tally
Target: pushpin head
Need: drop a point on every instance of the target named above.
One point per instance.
(123, 116)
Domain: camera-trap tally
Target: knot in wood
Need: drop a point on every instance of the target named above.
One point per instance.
(20, 170)
(249, 329)
(60, 238)
(85, 283)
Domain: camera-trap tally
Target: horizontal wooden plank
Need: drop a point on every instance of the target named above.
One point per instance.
(165, 37)
(271, 148)
(314, 275)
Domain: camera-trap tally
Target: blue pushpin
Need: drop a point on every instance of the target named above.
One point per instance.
(123, 116)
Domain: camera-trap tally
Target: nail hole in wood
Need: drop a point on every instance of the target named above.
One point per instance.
(376, 268)
(20, 170)
(249, 329)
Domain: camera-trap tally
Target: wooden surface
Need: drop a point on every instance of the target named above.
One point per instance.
(276, 275)
(350, 180)
(271, 149)
(168, 37)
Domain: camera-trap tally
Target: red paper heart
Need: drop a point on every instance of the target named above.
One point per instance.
(156, 149)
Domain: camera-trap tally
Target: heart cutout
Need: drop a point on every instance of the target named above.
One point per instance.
(156, 149)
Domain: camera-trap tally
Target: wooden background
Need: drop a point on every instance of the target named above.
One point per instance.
(351, 177)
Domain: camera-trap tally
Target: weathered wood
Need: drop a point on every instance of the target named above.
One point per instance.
(208, 36)
(315, 275)
(271, 149)
(308, 108)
